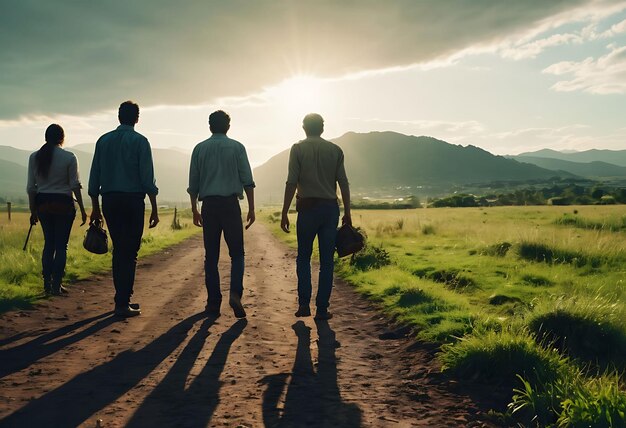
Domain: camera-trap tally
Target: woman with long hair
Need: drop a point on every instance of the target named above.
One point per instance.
(52, 178)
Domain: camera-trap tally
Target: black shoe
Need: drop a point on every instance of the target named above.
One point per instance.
(323, 315)
(134, 306)
(235, 303)
(303, 311)
(126, 312)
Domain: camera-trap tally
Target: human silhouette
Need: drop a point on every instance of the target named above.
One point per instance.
(315, 167)
(219, 174)
(123, 173)
(52, 179)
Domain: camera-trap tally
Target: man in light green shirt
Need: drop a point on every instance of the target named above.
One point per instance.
(316, 166)
(219, 174)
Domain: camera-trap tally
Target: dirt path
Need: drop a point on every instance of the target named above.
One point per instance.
(69, 362)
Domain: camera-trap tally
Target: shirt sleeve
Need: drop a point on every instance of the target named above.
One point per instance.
(74, 178)
(245, 172)
(146, 169)
(342, 179)
(294, 167)
(93, 188)
(194, 175)
(31, 183)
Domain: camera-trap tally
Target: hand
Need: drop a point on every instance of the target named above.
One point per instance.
(284, 223)
(154, 219)
(33, 219)
(251, 217)
(347, 219)
(197, 218)
(96, 215)
(83, 216)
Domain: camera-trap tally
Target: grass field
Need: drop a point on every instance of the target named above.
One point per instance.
(529, 298)
(20, 271)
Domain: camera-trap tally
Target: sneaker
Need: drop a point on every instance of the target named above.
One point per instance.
(303, 311)
(322, 315)
(126, 312)
(134, 306)
(235, 303)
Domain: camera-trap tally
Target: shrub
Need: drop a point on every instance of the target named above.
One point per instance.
(370, 257)
(428, 229)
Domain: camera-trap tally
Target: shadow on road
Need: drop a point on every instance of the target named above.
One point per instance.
(21, 356)
(311, 399)
(78, 399)
(170, 403)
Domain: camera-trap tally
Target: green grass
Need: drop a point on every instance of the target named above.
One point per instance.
(508, 292)
(20, 271)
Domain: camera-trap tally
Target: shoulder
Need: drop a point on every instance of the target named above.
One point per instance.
(335, 147)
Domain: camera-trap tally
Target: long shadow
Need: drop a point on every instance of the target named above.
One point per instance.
(78, 399)
(170, 404)
(312, 399)
(21, 356)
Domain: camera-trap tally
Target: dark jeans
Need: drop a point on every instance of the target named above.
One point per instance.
(124, 214)
(321, 221)
(222, 214)
(56, 214)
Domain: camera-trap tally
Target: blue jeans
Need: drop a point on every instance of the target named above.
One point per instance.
(124, 214)
(222, 214)
(321, 221)
(56, 215)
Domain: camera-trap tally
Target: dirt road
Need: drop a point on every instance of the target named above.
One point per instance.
(69, 362)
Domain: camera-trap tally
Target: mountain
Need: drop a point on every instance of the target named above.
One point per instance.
(171, 171)
(595, 169)
(615, 157)
(419, 165)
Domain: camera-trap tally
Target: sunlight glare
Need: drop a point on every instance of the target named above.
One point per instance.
(299, 95)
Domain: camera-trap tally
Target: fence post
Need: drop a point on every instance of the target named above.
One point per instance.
(9, 209)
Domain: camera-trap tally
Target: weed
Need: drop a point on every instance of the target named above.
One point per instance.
(428, 229)
(370, 257)
(540, 252)
(536, 280)
(497, 250)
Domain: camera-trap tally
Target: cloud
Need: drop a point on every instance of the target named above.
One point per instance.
(534, 48)
(79, 57)
(605, 75)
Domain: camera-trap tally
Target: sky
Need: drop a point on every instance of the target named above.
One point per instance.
(508, 77)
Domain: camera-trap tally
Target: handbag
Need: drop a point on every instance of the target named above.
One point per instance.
(96, 240)
(349, 241)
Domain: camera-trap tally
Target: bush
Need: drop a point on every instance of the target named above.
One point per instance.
(540, 252)
(370, 257)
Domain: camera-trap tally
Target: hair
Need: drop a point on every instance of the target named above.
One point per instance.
(128, 113)
(313, 124)
(219, 122)
(43, 159)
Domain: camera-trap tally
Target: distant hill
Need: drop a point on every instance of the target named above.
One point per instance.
(171, 170)
(615, 157)
(391, 160)
(595, 169)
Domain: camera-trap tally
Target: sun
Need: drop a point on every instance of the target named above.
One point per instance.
(299, 94)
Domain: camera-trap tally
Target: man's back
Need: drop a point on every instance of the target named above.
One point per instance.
(315, 166)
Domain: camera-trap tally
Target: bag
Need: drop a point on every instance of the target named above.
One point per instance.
(348, 241)
(96, 240)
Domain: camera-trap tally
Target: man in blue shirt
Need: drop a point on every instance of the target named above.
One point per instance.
(219, 174)
(123, 173)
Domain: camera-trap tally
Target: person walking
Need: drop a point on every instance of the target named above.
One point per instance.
(316, 166)
(219, 174)
(123, 173)
(52, 179)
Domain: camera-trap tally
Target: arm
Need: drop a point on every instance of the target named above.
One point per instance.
(250, 196)
(290, 190)
(344, 186)
(75, 185)
(146, 175)
(31, 189)
(93, 189)
(154, 215)
(194, 187)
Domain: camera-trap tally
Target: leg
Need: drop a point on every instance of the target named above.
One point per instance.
(306, 229)
(326, 240)
(62, 229)
(230, 216)
(47, 256)
(212, 233)
(134, 233)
